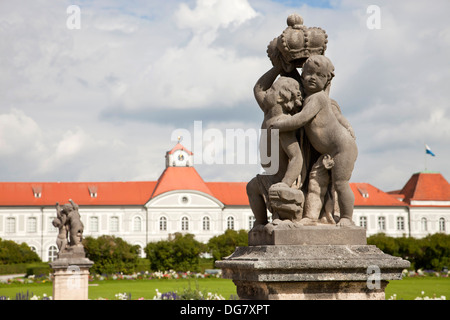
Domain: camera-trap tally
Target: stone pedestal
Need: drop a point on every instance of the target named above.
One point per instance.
(311, 269)
(71, 276)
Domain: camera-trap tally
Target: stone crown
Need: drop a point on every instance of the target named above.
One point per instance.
(298, 42)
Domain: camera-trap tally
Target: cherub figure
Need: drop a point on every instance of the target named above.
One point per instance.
(276, 98)
(326, 131)
(60, 223)
(75, 225)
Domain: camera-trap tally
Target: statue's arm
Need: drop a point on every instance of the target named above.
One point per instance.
(298, 120)
(58, 210)
(264, 83)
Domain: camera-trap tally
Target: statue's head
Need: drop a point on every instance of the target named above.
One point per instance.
(289, 94)
(317, 73)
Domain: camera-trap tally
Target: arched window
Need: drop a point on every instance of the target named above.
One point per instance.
(400, 223)
(184, 224)
(230, 223)
(206, 224)
(381, 223)
(32, 224)
(114, 224)
(163, 224)
(441, 225)
(52, 253)
(424, 224)
(251, 222)
(10, 225)
(93, 224)
(363, 222)
(137, 224)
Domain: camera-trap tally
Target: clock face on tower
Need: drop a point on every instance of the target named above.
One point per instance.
(180, 158)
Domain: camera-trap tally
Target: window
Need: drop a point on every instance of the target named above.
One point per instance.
(230, 223)
(381, 223)
(163, 224)
(400, 223)
(424, 224)
(184, 224)
(33, 248)
(441, 225)
(206, 224)
(363, 222)
(114, 224)
(31, 224)
(137, 224)
(52, 253)
(93, 224)
(251, 222)
(10, 225)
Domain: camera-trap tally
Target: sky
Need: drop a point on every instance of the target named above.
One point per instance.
(102, 93)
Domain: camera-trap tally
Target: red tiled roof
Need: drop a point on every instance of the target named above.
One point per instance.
(179, 146)
(368, 195)
(425, 186)
(108, 193)
(180, 178)
(421, 186)
(230, 193)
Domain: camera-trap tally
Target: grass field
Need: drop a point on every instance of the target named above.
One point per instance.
(406, 289)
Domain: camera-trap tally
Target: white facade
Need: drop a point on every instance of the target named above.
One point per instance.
(179, 211)
(196, 212)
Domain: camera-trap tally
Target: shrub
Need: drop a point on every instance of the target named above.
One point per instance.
(13, 253)
(225, 244)
(431, 252)
(179, 253)
(111, 255)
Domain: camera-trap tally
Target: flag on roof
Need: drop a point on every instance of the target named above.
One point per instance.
(428, 150)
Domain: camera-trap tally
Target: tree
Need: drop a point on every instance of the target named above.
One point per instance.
(13, 253)
(431, 252)
(225, 244)
(111, 254)
(180, 253)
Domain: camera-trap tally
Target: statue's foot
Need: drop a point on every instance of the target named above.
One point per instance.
(258, 227)
(345, 222)
(307, 222)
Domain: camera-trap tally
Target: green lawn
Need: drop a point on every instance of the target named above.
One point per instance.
(406, 289)
(410, 288)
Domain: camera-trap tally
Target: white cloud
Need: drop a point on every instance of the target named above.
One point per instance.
(133, 59)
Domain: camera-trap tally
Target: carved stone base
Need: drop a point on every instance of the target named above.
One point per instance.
(290, 233)
(71, 276)
(311, 271)
(312, 290)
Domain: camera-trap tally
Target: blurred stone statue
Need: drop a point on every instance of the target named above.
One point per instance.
(68, 221)
(318, 147)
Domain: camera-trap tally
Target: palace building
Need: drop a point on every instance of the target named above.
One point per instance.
(181, 201)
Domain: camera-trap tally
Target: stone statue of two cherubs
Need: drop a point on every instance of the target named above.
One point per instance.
(317, 147)
(70, 227)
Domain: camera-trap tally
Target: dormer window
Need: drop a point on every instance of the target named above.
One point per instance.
(93, 191)
(363, 192)
(37, 191)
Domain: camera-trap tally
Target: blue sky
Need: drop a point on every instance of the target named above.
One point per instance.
(103, 103)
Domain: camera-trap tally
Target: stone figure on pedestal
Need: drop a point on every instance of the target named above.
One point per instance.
(317, 144)
(311, 249)
(68, 221)
(71, 268)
